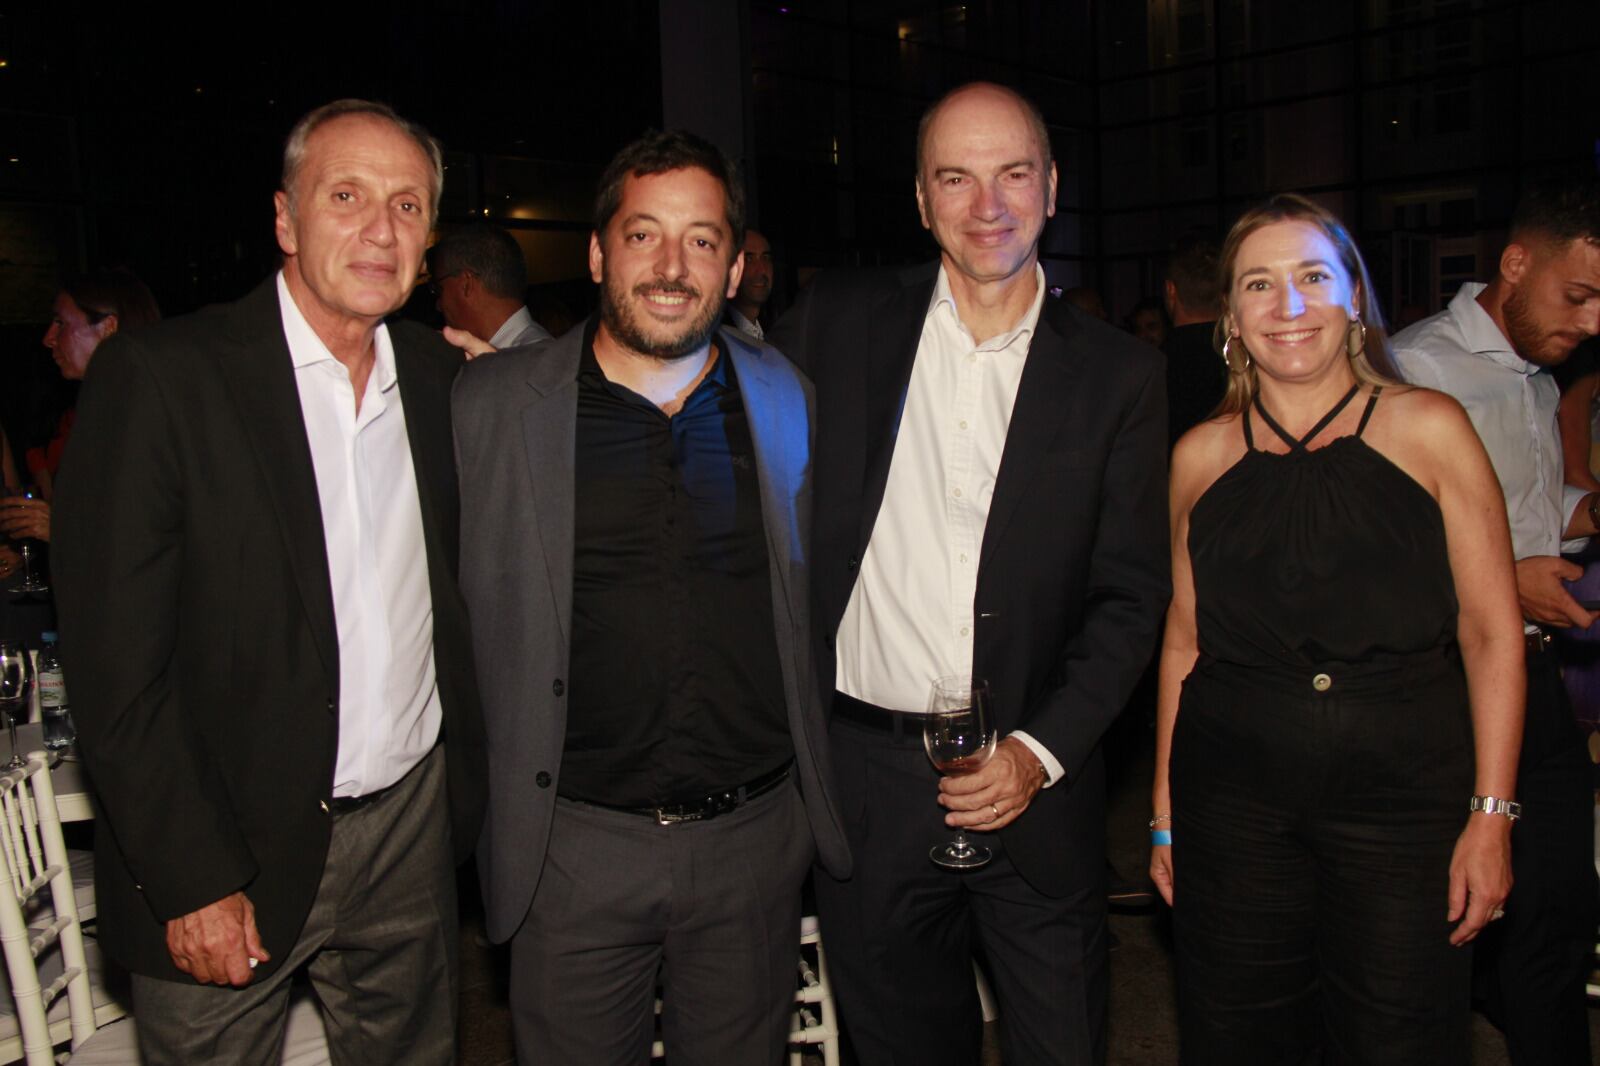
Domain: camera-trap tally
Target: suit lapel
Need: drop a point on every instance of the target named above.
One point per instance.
(428, 435)
(893, 337)
(549, 436)
(778, 434)
(1050, 372)
(260, 374)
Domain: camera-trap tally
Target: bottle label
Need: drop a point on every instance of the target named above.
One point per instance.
(52, 690)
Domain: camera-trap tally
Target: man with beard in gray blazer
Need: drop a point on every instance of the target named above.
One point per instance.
(635, 508)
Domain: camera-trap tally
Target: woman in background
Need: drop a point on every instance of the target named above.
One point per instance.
(88, 309)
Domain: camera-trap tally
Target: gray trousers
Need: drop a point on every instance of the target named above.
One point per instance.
(379, 946)
(713, 907)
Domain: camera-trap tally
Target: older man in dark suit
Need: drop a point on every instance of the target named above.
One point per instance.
(990, 502)
(255, 546)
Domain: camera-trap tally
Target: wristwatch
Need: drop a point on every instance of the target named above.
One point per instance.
(1496, 805)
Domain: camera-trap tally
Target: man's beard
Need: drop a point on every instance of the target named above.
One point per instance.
(626, 324)
(1527, 339)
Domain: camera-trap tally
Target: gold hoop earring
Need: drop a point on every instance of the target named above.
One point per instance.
(1228, 360)
(1352, 345)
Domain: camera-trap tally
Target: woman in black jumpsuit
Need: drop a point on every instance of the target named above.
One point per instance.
(1340, 554)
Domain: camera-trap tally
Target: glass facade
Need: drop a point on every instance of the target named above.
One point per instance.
(1418, 121)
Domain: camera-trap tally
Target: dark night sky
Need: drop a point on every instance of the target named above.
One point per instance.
(153, 139)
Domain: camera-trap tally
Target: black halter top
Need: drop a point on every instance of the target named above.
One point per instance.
(1331, 554)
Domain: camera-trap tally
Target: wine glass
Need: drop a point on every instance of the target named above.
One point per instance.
(959, 738)
(32, 582)
(14, 679)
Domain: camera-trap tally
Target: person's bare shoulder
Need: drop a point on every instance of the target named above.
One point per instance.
(1201, 456)
(1424, 432)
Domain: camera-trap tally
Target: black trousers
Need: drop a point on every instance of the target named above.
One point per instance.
(902, 933)
(1532, 965)
(1312, 835)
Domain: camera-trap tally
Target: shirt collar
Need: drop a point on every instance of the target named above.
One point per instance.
(520, 320)
(721, 376)
(1018, 336)
(306, 348)
(1481, 334)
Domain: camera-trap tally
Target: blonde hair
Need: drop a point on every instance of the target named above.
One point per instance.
(1373, 365)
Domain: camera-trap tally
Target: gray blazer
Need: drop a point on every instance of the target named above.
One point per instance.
(515, 432)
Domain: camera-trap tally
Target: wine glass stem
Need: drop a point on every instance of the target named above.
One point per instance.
(11, 729)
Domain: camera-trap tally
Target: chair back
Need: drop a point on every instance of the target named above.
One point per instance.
(35, 861)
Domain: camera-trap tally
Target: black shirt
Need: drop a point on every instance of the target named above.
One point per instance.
(1196, 378)
(675, 686)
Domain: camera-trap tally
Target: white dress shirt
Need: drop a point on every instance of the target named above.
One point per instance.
(1512, 404)
(519, 329)
(910, 615)
(389, 711)
(749, 325)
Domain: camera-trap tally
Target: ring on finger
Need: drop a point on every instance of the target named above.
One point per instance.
(996, 811)
(1496, 914)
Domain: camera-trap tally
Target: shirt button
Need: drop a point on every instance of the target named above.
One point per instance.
(558, 688)
(1322, 682)
(542, 779)
(965, 631)
(963, 423)
(963, 557)
(956, 494)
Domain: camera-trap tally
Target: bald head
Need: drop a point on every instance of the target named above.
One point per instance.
(977, 99)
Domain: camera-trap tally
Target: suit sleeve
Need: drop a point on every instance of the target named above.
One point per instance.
(1129, 587)
(791, 333)
(118, 572)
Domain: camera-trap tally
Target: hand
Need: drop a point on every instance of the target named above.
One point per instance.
(1545, 599)
(469, 343)
(21, 518)
(1161, 870)
(9, 560)
(996, 793)
(1480, 874)
(215, 944)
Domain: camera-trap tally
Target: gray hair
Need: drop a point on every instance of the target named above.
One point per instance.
(294, 149)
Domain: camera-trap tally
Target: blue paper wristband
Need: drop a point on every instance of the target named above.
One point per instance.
(1161, 836)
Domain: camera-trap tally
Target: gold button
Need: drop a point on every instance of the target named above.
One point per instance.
(1322, 682)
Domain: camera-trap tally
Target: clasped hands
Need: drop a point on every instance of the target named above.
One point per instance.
(996, 793)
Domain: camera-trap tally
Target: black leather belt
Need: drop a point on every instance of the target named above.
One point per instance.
(879, 719)
(708, 806)
(1535, 642)
(346, 804)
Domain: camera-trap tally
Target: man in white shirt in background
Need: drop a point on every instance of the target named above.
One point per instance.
(755, 286)
(481, 278)
(1490, 349)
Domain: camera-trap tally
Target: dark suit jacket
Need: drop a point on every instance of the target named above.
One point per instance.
(1073, 573)
(197, 622)
(516, 422)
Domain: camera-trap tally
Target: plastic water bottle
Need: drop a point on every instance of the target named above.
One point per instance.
(58, 730)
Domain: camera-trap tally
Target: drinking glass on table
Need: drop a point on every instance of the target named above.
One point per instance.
(959, 737)
(15, 675)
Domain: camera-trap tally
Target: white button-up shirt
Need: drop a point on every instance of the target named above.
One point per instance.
(910, 615)
(389, 711)
(1512, 404)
